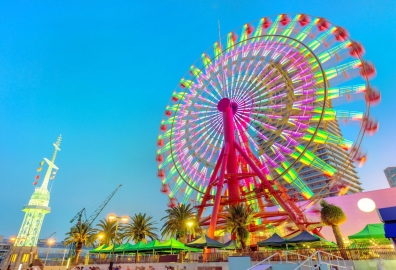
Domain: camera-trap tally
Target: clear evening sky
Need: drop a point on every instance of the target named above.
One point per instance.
(101, 73)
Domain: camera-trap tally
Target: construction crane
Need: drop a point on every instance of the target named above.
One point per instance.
(78, 215)
(90, 220)
(45, 240)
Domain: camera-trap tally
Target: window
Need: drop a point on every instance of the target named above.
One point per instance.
(14, 257)
(25, 258)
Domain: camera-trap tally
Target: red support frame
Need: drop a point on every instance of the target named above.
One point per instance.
(227, 164)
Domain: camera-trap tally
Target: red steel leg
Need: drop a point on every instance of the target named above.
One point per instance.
(215, 211)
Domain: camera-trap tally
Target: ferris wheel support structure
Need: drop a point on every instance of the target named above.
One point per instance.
(229, 169)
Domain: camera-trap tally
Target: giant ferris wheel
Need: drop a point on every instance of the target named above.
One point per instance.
(250, 114)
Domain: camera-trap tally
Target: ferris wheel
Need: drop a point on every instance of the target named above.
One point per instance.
(255, 110)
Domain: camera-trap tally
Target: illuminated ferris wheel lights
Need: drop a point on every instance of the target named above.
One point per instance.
(367, 70)
(322, 24)
(304, 19)
(372, 96)
(276, 78)
(356, 49)
(285, 19)
(340, 34)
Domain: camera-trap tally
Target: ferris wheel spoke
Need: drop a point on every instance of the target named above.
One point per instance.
(335, 52)
(340, 92)
(324, 137)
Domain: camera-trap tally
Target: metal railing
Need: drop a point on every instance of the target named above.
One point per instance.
(386, 253)
(280, 257)
(268, 260)
(319, 258)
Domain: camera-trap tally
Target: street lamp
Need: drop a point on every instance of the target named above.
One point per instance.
(100, 236)
(117, 220)
(49, 242)
(189, 224)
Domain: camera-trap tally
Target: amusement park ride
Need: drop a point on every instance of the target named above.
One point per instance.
(249, 116)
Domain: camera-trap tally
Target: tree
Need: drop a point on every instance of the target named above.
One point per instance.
(107, 229)
(332, 215)
(80, 234)
(139, 228)
(238, 218)
(176, 222)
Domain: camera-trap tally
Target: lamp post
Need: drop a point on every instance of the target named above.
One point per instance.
(13, 241)
(100, 236)
(189, 224)
(49, 242)
(116, 219)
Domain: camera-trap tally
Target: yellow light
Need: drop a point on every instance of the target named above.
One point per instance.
(12, 239)
(189, 223)
(111, 217)
(124, 219)
(366, 205)
(50, 241)
(100, 236)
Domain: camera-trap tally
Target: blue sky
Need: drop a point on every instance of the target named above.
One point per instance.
(102, 72)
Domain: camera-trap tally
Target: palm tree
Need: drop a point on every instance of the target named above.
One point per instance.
(139, 228)
(238, 218)
(176, 222)
(80, 234)
(332, 215)
(106, 229)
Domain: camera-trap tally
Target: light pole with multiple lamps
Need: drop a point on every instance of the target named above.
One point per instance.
(117, 220)
(49, 242)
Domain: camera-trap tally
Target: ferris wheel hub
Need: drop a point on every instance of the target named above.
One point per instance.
(223, 104)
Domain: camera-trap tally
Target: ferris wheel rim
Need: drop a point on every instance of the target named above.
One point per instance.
(316, 128)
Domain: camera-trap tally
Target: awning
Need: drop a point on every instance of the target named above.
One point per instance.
(303, 237)
(205, 242)
(109, 249)
(230, 245)
(98, 249)
(125, 247)
(375, 231)
(172, 244)
(274, 240)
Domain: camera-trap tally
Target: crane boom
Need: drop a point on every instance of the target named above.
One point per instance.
(90, 220)
(78, 215)
(96, 213)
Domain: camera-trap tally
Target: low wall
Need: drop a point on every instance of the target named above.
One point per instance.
(351, 265)
(156, 266)
(372, 265)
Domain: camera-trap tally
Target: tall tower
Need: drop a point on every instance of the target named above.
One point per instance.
(26, 242)
(37, 207)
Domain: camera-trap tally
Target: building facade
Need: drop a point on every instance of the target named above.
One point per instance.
(390, 174)
(347, 180)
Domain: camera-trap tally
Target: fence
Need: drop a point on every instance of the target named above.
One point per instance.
(386, 253)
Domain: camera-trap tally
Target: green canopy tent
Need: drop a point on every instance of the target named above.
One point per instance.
(98, 249)
(230, 245)
(205, 242)
(172, 244)
(123, 248)
(109, 249)
(152, 245)
(136, 247)
(371, 231)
